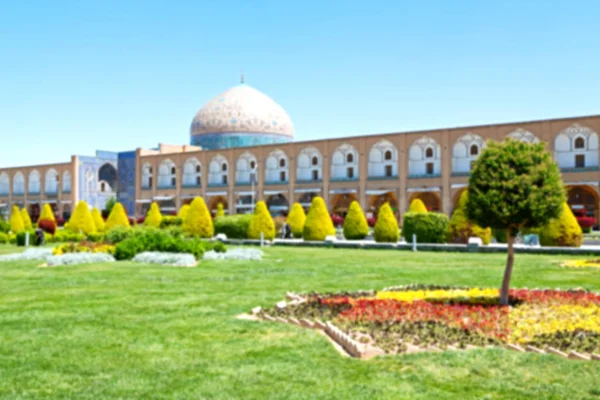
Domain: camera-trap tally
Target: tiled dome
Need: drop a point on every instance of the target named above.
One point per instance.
(242, 109)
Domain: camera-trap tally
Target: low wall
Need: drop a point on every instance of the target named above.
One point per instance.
(456, 248)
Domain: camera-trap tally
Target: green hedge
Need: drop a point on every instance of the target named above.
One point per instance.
(169, 221)
(4, 226)
(234, 226)
(157, 240)
(429, 227)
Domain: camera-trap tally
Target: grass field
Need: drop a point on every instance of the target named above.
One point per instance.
(126, 330)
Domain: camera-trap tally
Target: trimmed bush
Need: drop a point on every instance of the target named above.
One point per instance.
(417, 206)
(261, 222)
(198, 221)
(4, 238)
(64, 236)
(183, 211)
(386, 227)
(355, 224)
(81, 219)
(96, 237)
(47, 213)
(4, 226)
(234, 226)
(318, 223)
(151, 239)
(118, 234)
(220, 210)
(27, 224)
(296, 220)
(16, 221)
(563, 231)
(98, 220)
(154, 217)
(429, 227)
(117, 217)
(47, 225)
(460, 229)
(169, 221)
(22, 238)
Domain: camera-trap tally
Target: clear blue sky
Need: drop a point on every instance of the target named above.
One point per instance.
(83, 75)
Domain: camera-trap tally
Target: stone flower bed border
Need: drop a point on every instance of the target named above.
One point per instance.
(350, 347)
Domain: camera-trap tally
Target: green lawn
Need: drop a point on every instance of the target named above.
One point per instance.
(136, 331)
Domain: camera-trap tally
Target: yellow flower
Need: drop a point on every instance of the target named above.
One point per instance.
(441, 295)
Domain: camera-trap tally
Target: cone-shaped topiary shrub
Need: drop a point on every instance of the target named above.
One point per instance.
(47, 213)
(16, 221)
(460, 229)
(26, 219)
(154, 217)
(198, 221)
(355, 224)
(183, 211)
(261, 222)
(429, 227)
(117, 217)
(98, 220)
(220, 210)
(81, 219)
(563, 231)
(417, 206)
(318, 224)
(386, 227)
(296, 220)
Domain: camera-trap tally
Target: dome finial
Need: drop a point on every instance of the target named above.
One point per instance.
(242, 79)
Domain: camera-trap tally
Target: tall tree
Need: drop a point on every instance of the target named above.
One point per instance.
(514, 185)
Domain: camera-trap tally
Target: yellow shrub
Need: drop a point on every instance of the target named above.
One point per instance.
(563, 231)
(355, 223)
(154, 216)
(98, 220)
(460, 229)
(81, 219)
(183, 211)
(296, 220)
(318, 223)
(417, 206)
(198, 222)
(386, 227)
(220, 210)
(117, 217)
(47, 213)
(26, 219)
(261, 222)
(16, 221)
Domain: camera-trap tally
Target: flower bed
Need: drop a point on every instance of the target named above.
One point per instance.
(173, 259)
(235, 254)
(79, 258)
(581, 264)
(397, 318)
(83, 247)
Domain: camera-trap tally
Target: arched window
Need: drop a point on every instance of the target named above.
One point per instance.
(218, 171)
(308, 165)
(167, 174)
(576, 147)
(108, 173)
(147, 179)
(474, 151)
(383, 160)
(580, 143)
(4, 184)
(66, 183)
(245, 170)
(51, 182)
(276, 167)
(18, 184)
(424, 158)
(344, 163)
(192, 173)
(429, 153)
(34, 182)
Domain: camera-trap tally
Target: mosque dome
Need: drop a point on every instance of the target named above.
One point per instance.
(240, 117)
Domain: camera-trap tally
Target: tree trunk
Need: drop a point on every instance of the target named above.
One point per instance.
(508, 271)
